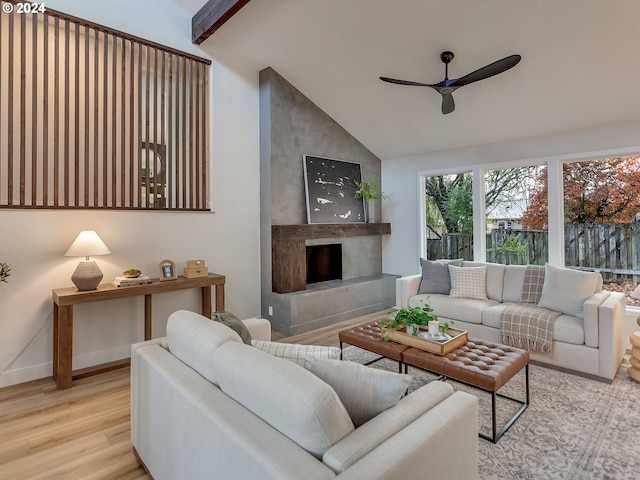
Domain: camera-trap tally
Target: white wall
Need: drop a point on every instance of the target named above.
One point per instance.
(34, 241)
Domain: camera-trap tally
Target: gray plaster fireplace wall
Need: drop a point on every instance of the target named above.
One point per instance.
(291, 125)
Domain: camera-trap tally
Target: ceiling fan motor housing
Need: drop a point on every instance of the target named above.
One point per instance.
(447, 56)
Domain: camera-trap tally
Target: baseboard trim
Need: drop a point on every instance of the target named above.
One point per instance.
(43, 370)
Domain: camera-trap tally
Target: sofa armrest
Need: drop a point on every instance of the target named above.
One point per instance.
(407, 287)
(590, 309)
(611, 342)
(259, 328)
(410, 453)
(368, 436)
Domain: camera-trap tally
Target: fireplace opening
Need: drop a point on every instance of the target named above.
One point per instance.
(324, 263)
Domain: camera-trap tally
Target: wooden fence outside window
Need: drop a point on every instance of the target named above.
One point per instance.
(95, 118)
(611, 249)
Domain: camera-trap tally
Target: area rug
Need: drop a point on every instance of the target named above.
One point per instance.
(574, 429)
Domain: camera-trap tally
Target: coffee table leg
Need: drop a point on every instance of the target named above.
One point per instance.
(493, 417)
(523, 406)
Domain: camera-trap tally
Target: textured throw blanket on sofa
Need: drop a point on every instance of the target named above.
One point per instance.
(525, 325)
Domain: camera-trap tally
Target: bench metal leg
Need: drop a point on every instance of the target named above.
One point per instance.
(495, 435)
(523, 406)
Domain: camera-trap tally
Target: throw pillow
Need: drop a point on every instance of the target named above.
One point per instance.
(296, 352)
(234, 323)
(468, 282)
(565, 290)
(435, 276)
(364, 391)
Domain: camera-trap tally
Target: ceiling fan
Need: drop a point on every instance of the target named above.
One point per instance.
(447, 87)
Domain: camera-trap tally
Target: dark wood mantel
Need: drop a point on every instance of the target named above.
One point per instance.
(288, 249)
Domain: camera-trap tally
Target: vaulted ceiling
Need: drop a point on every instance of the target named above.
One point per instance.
(580, 64)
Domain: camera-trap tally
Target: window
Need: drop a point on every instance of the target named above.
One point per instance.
(95, 118)
(449, 216)
(516, 227)
(601, 220)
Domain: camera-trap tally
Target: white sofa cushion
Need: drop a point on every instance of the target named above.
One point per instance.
(286, 396)
(193, 339)
(565, 290)
(567, 329)
(468, 282)
(296, 352)
(364, 391)
(446, 307)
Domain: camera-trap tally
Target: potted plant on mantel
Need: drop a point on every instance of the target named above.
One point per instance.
(370, 192)
(413, 318)
(5, 271)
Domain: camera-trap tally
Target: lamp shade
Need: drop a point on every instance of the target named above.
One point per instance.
(87, 243)
(87, 275)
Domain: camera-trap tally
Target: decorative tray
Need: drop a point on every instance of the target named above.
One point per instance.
(458, 338)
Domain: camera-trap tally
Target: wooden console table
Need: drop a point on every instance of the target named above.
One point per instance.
(65, 298)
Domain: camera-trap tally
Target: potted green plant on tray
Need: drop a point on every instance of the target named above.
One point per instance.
(412, 317)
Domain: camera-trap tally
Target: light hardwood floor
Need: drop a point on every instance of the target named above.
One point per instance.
(83, 432)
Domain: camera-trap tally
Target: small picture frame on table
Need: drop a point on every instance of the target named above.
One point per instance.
(167, 270)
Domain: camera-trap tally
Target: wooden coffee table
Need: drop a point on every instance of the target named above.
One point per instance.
(484, 365)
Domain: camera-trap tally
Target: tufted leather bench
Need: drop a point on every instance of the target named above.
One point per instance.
(369, 337)
(481, 364)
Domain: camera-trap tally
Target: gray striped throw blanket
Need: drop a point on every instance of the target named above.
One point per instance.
(524, 324)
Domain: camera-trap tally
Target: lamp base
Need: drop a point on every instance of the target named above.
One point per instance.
(87, 276)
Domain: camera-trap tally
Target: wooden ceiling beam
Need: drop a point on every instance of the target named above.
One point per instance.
(212, 16)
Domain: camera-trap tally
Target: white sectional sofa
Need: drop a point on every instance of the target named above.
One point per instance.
(204, 405)
(591, 342)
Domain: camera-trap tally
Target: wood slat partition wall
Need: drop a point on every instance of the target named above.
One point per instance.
(95, 118)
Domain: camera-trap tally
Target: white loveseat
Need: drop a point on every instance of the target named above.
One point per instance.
(590, 343)
(206, 406)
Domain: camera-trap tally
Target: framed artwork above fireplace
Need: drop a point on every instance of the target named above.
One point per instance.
(330, 191)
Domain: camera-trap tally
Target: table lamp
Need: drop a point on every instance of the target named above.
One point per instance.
(87, 275)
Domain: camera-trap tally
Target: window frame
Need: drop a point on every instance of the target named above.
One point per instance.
(555, 189)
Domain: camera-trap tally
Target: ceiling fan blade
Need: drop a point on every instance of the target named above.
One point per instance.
(448, 105)
(404, 82)
(488, 71)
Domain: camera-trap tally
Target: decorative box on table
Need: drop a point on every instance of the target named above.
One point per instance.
(458, 338)
(195, 269)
